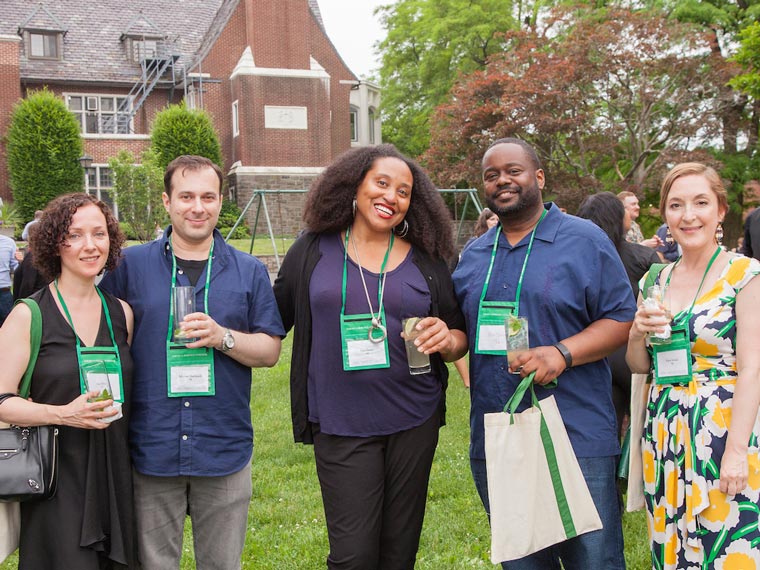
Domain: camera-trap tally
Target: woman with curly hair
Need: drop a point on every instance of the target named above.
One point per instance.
(375, 252)
(88, 523)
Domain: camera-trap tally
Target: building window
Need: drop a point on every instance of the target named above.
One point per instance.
(99, 183)
(371, 127)
(101, 114)
(144, 49)
(235, 119)
(44, 45)
(354, 125)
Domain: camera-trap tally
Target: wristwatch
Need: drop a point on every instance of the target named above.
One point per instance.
(228, 341)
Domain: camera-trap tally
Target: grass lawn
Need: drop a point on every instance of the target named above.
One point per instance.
(286, 528)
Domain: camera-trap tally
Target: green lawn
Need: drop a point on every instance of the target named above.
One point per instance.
(286, 529)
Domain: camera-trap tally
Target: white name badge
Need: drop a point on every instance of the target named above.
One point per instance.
(492, 338)
(193, 379)
(672, 363)
(101, 381)
(362, 353)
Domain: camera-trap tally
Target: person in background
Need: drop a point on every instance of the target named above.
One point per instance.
(607, 212)
(486, 220)
(30, 225)
(699, 446)
(26, 279)
(577, 301)
(634, 235)
(669, 250)
(751, 246)
(88, 524)
(8, 264)
(191, 434)
(377, 245)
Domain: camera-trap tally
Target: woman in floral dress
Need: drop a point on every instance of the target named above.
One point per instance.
(700, 442)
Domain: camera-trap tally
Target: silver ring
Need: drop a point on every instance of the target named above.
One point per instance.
(381, 328)
(518, 369)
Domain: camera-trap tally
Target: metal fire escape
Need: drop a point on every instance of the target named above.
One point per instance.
(158, 60)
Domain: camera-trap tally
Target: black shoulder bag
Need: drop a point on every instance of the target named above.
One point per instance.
(29, 455)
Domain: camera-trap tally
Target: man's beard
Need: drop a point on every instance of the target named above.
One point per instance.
(527, 201)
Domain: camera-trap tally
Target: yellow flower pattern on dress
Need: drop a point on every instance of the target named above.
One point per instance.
(691, 523)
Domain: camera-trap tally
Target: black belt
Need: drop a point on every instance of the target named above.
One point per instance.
(4, 289)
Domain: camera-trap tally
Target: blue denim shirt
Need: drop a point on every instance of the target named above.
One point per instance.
(197, 435)
(574, 277)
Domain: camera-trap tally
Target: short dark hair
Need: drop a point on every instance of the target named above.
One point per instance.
(49, 234)
(193, 163)
(328, 202)
(606, 211)
(529, 150)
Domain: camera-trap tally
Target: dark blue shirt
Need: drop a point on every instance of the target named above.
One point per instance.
(197, 435)
(574, 277)
(365, 403)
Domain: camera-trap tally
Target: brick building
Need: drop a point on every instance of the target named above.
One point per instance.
(283, 102)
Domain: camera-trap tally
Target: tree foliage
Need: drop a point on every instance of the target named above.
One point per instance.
(428, 43)
(137, 189)
(607, 98)
(748, 56)
(43, 146)
(178, 130)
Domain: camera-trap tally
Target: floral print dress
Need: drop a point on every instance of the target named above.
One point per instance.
(692, 524)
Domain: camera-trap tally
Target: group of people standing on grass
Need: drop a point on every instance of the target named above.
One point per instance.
(376, 251)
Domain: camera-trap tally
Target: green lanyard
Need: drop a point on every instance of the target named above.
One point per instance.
(687, 316)
(107, 359)
(522, 271)
(377, 321)
(174, 284)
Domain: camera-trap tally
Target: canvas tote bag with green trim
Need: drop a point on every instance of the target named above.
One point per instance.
(536, 489)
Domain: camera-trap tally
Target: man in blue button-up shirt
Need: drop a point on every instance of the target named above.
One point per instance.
(8, 264)
(578, 303)
(192, 452)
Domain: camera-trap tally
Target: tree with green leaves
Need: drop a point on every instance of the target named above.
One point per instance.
(428, 43)
(138, 189)
(178, 130)
(609, 98)
(43, 148)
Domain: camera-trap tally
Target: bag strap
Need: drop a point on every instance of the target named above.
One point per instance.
(35, 338)
(654, 271)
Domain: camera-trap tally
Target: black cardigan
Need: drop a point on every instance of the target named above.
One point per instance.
(291, 289)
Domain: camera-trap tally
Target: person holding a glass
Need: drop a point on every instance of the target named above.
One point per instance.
(81, 383)
(700, 443)
(375, 253)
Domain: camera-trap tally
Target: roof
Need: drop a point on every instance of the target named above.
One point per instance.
(95, 43)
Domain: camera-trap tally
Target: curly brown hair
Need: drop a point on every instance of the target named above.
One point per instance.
(328, 203)
(48, 235)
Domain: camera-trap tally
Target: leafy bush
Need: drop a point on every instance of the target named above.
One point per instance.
(178, 130)
(43, 149)
(137, 189)
(227, 218)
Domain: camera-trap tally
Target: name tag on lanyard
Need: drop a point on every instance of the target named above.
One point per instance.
(100, 369)
(365, 347)
(672, 361)
(491, 336)
(189, 371)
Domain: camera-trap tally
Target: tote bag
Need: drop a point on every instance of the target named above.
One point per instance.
(536, 489)
(634, 499)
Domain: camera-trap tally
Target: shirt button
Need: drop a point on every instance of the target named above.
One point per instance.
(187, 404)
(184, 438)
(181, 272)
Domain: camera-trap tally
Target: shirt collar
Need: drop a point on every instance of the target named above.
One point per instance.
(547, 229)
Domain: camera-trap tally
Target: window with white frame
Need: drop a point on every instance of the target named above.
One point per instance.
(44, 45)
(99, 183)
(101, 114)
(235, 119)
(354, 118)
(371, 125)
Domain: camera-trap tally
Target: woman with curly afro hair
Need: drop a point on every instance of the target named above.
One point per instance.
(88, 524)
(375, 251)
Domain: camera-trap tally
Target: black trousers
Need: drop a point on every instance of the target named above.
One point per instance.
(374, 491)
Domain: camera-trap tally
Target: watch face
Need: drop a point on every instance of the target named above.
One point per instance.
(229, 341)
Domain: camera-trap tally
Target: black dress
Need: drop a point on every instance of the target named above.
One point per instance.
(88, 524)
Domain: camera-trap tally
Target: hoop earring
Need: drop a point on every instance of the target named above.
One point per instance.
(668, 236)
(719, 233)
(353, 208)
(404, 229)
